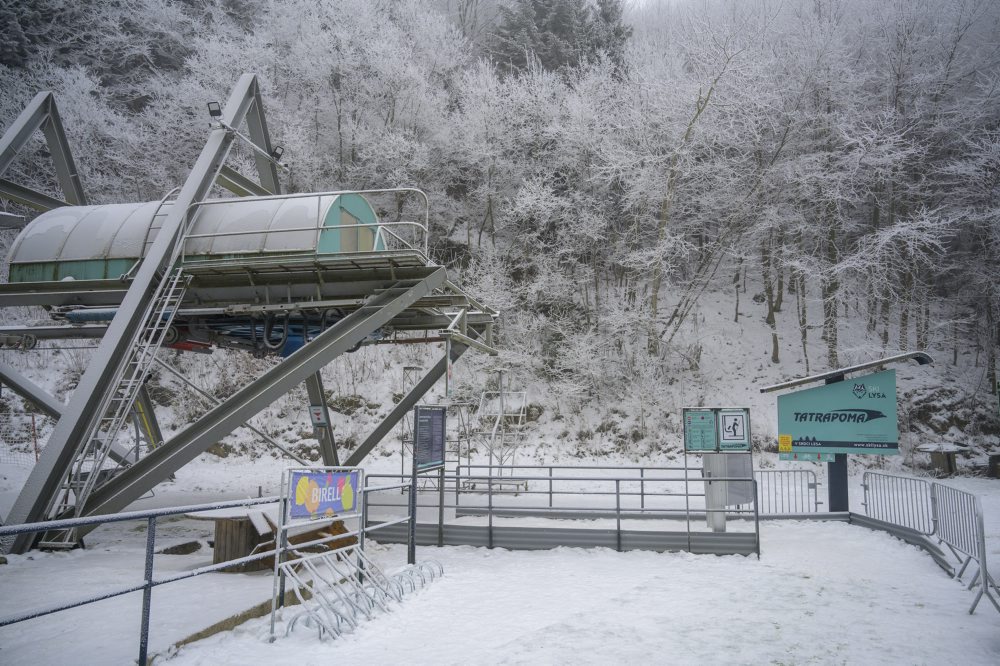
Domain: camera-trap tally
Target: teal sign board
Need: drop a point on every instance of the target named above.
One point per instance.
(712, 429)
(851, 416)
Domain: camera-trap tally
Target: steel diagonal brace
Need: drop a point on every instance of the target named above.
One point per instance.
(41, 113)
(47, 403)
(215, 401)
(135, 481)
(406, 404)
(81, 414)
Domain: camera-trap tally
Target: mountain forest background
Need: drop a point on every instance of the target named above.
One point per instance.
(620, 179)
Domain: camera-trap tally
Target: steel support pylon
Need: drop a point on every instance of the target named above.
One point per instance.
(82, 413)
(340, 338)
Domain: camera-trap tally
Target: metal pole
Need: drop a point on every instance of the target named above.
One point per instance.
(642, 488)
(550, 487)
(756, 518)
(687, 499)
(278, 585)
(411, 543)
(147, 592)
(362, 529)
(618, 514)
(490, 510)
(836, 471)
(441, 507)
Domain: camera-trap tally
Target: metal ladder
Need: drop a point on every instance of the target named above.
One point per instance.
(88, 468)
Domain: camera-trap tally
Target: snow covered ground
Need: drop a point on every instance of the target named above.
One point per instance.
(821, 593)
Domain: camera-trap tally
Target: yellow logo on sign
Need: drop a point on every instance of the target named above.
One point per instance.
(784, 443)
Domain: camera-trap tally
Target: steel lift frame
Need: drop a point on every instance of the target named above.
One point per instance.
(398, 295)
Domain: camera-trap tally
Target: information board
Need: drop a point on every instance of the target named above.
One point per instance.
(428, 437)
(714, 429)
(852, 416)
(317, 414)
(734, 430)
(323, 493)
(699, 430)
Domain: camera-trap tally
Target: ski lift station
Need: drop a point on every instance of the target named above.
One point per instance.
(304, 278)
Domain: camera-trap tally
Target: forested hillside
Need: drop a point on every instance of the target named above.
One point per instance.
(645, 190)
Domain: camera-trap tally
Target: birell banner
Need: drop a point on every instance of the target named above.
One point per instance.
(851, 416)
(323, 493)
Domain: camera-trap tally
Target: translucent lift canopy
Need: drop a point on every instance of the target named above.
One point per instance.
(104, 242)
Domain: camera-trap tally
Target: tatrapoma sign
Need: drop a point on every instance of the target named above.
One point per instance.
(853, 416)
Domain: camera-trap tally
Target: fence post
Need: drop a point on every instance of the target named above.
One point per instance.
(490, 510)
(147, 590)
(642, 488)
(411, 537)
(934, 508)
(441, 507)
(550, 487)
(618, 514)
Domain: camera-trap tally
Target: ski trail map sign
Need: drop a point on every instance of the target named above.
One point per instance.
(852, 416)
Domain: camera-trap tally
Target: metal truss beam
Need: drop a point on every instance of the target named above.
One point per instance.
(41, 113)
(31, 391)
(29, 197)
(81, 414)
(267, 170)
(146, 416)
(49, 404)
(215, 402)
(327, 443)
(55, 332)
(240, 185)
(135, 481)
(408, 402)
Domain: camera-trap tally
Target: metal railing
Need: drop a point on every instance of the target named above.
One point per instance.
(900, 500)
(616, 496)
(149, 580)
(381, 230)
(779, 492)
(786, 491)
(953, 517)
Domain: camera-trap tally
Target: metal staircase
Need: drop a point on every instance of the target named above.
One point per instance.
(91, 465)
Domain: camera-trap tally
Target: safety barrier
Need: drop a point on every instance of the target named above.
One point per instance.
(933, 510)
(783, 492)
(149, 579)
(779, 492)
(610, 493)
(900, 500)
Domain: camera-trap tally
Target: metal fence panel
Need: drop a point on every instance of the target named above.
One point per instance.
(899, 500)
(786, 491)
(956, 519)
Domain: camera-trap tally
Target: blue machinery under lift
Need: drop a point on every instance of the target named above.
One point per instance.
(303, 277)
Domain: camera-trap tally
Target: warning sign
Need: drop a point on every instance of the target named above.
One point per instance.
(318, 416)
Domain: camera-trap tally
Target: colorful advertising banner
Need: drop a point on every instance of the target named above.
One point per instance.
(323, 493)
(851, 416)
